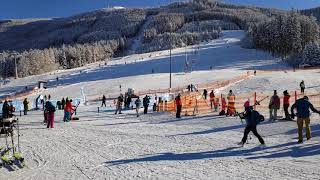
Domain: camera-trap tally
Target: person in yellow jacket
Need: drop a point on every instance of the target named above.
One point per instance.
(231, 111)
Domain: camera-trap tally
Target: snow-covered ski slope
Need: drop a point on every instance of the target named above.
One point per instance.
(158, 146)
(224, 55)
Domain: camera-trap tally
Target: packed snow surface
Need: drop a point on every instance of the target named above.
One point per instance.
(158, 146)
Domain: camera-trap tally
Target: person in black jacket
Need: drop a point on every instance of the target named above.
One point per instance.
(6, 109)
(146, 102)
(302, 107)
(104, 99)
(252, 119)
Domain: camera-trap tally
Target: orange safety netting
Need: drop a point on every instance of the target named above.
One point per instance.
(193, 103)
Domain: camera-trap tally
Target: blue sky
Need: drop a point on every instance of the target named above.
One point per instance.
(18, 9)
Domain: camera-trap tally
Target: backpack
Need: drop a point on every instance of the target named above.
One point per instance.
(256, 117)
(49, 107)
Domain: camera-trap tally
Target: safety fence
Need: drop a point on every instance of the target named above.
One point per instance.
(193, 103)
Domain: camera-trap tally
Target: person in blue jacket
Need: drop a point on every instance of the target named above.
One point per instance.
(303, 107)
(253, 118)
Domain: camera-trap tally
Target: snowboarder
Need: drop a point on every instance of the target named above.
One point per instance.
(253, 118)
(231, 111)
(286, 104)
(50, 109)
(274, 106)
(138, 105)
(119, 104)
(302, 87)
(205, 94)
(146, 101)
(212, 98)
(302, 107)
(63, 103)
(25, 106)
(178, 105)
(104, 99)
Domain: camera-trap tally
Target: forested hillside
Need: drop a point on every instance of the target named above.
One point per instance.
(49, 44)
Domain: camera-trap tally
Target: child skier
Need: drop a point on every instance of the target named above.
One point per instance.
(253, 118)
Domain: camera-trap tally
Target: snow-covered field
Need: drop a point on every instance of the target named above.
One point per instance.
(157, 146)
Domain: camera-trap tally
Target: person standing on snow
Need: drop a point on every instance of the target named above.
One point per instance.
(231, 111)
(223, 106)
(286, 104)
(119, 104)
(253, 118)
(25, 106)
(63, 103)
(67, 110)
(146, 101)
(303, 107)
(212, 99)
(205, 94)
(274, 106)
(104, 99)
(138, 105)
(50, 109)
(302, 87)
(178, 105)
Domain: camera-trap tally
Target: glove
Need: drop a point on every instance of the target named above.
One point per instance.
(292, 116)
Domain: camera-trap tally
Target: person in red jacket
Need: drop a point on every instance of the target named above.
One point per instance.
(179, 106)
(67, 111)
(286, 104)
(212, 98)
(223, 106)
(274, 106)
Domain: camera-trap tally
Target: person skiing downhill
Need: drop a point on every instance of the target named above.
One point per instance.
(303, 107)
(253, 118)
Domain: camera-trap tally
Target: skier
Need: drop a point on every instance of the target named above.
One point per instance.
(205, 94)
(286, 104)
(50, 109)
(302, 87)
(129, 100)
(37, 100)
(146, 101)
(302, 107)
(274, 106)
(25, 106)
(179, 106)
(231, 111)
(63, 103)
(212, 97)
(138, 105)
(119, 104)
(154, 108)
(253, 118)
(104, 99)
